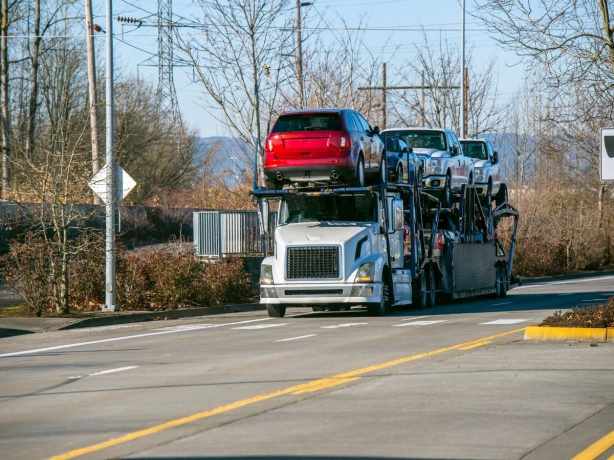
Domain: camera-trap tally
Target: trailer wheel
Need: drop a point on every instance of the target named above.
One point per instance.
(498, 282)
(379, 309)
(419, 292)
(276, 310)
(431, 298)
(504, 282)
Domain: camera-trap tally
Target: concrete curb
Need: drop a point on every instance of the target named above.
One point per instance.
(137, 317)
(569, 334)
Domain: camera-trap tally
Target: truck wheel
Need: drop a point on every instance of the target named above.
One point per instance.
(498, 282)
(446, 193)
(382, 171)
(379, 309)
(419, 292)
(399, 175)
(431, 298)
(504, 282)
(501, 196)
(276, 310)
(359, 180)
(271, 184)
(489, 194)
(318, 308)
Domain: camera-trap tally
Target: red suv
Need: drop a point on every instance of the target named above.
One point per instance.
(322, 145)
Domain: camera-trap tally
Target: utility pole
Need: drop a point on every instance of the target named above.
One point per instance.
(299, 53)
(110, 304)
(384, 95)
(385, 88)
(465, 98)
(423, 106)
(91, 77)
(462, 68)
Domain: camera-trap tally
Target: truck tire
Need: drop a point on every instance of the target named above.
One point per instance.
(379, 308)
(399, 174)
(488, 195)
(359, 180)
(431, 298)
(501, 196)
(498, 282)
(276, 310)
(446, 193)
(318, 308)
(271, 184)
(504, 282)
(419, 292)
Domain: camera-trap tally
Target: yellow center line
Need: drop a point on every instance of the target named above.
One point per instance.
(469, 347)
(297, 389)
(597, 448)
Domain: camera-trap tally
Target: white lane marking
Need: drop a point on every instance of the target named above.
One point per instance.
(343, 325)
(109, 328)
(296, 338)
(507, 321)
(149, 334)
(421, 323)
(594, 300)
(413, 318)
(185, 327)
(110, 371)
(568, 293)
(260, 326)
(504, 303)
(565, 282)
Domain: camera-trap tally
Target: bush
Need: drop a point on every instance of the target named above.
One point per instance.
(591, 316)
(167, 276)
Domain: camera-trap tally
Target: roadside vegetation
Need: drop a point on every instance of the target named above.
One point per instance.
(591, 316)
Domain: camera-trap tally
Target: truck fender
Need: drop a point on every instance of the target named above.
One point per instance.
(377, 259)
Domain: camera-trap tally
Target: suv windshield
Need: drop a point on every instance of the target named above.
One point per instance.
(474, 149)
(422, 139)
(308, 122)
(335, 208)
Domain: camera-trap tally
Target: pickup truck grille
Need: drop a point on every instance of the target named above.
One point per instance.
(312, 262)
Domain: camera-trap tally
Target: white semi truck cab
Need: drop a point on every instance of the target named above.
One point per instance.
(338, 248)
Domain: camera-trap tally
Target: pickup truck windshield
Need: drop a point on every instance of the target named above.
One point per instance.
(334, 208)
(308, 122)
(474, 150)
(422, 139)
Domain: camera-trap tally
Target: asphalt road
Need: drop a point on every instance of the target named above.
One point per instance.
(453, 382)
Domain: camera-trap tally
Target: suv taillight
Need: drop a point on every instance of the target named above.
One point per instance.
(345, 142)
(268, 145)
(439, 242)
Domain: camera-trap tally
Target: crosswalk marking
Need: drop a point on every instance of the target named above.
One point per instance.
(421, 323)
(506, 321)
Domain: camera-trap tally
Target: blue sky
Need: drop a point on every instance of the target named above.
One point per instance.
(440, 18)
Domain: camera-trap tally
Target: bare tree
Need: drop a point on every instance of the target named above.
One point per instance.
(241, 59)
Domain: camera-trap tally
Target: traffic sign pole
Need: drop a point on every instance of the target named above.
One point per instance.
(110, 303)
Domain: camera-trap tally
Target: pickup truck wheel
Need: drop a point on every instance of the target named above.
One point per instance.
(446, 194)
(489, 194)
(382, 172)
(272, 185)
(501, 196)
(419, 292)
(399, 175)
(419, 179)
(431, 298)
(379, 309)
(359, 180)
(276, 310)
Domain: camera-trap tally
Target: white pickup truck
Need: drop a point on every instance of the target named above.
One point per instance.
(337, 249)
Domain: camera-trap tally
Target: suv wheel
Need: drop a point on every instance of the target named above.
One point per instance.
(359, 180)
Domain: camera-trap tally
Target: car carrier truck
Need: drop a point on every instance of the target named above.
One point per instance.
(379, 247)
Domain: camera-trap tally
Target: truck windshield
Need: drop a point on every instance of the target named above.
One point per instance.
(308, 122)
(331, 208)
(474, 150)
(422, 139)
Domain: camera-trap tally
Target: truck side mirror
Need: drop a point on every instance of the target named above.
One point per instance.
(395, 215)
(495, 158)
(454, 150)
(375, 130)
(263, 217)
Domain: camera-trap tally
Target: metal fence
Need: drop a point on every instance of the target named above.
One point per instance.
(224, 233)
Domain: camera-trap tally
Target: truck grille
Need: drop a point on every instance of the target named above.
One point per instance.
(312, 262)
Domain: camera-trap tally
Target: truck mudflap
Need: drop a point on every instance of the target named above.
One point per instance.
(474, 269)
(310, 294)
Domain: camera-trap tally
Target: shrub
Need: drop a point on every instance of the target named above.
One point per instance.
(591, 316)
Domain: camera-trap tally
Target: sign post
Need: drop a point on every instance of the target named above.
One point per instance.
(606, 159)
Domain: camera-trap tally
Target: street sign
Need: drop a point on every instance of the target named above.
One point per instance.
(606, 163)
(124, 183)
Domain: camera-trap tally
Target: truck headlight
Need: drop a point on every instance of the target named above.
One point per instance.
(436, 166)
(366, 273)
(266, 274)
(479, 171)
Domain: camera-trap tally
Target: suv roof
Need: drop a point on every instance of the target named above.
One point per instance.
(417, 128)
(307, 111)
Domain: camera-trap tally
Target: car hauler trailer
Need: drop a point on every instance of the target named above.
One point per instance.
(381, 246)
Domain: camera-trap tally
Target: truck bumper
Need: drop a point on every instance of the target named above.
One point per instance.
(309, 294)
